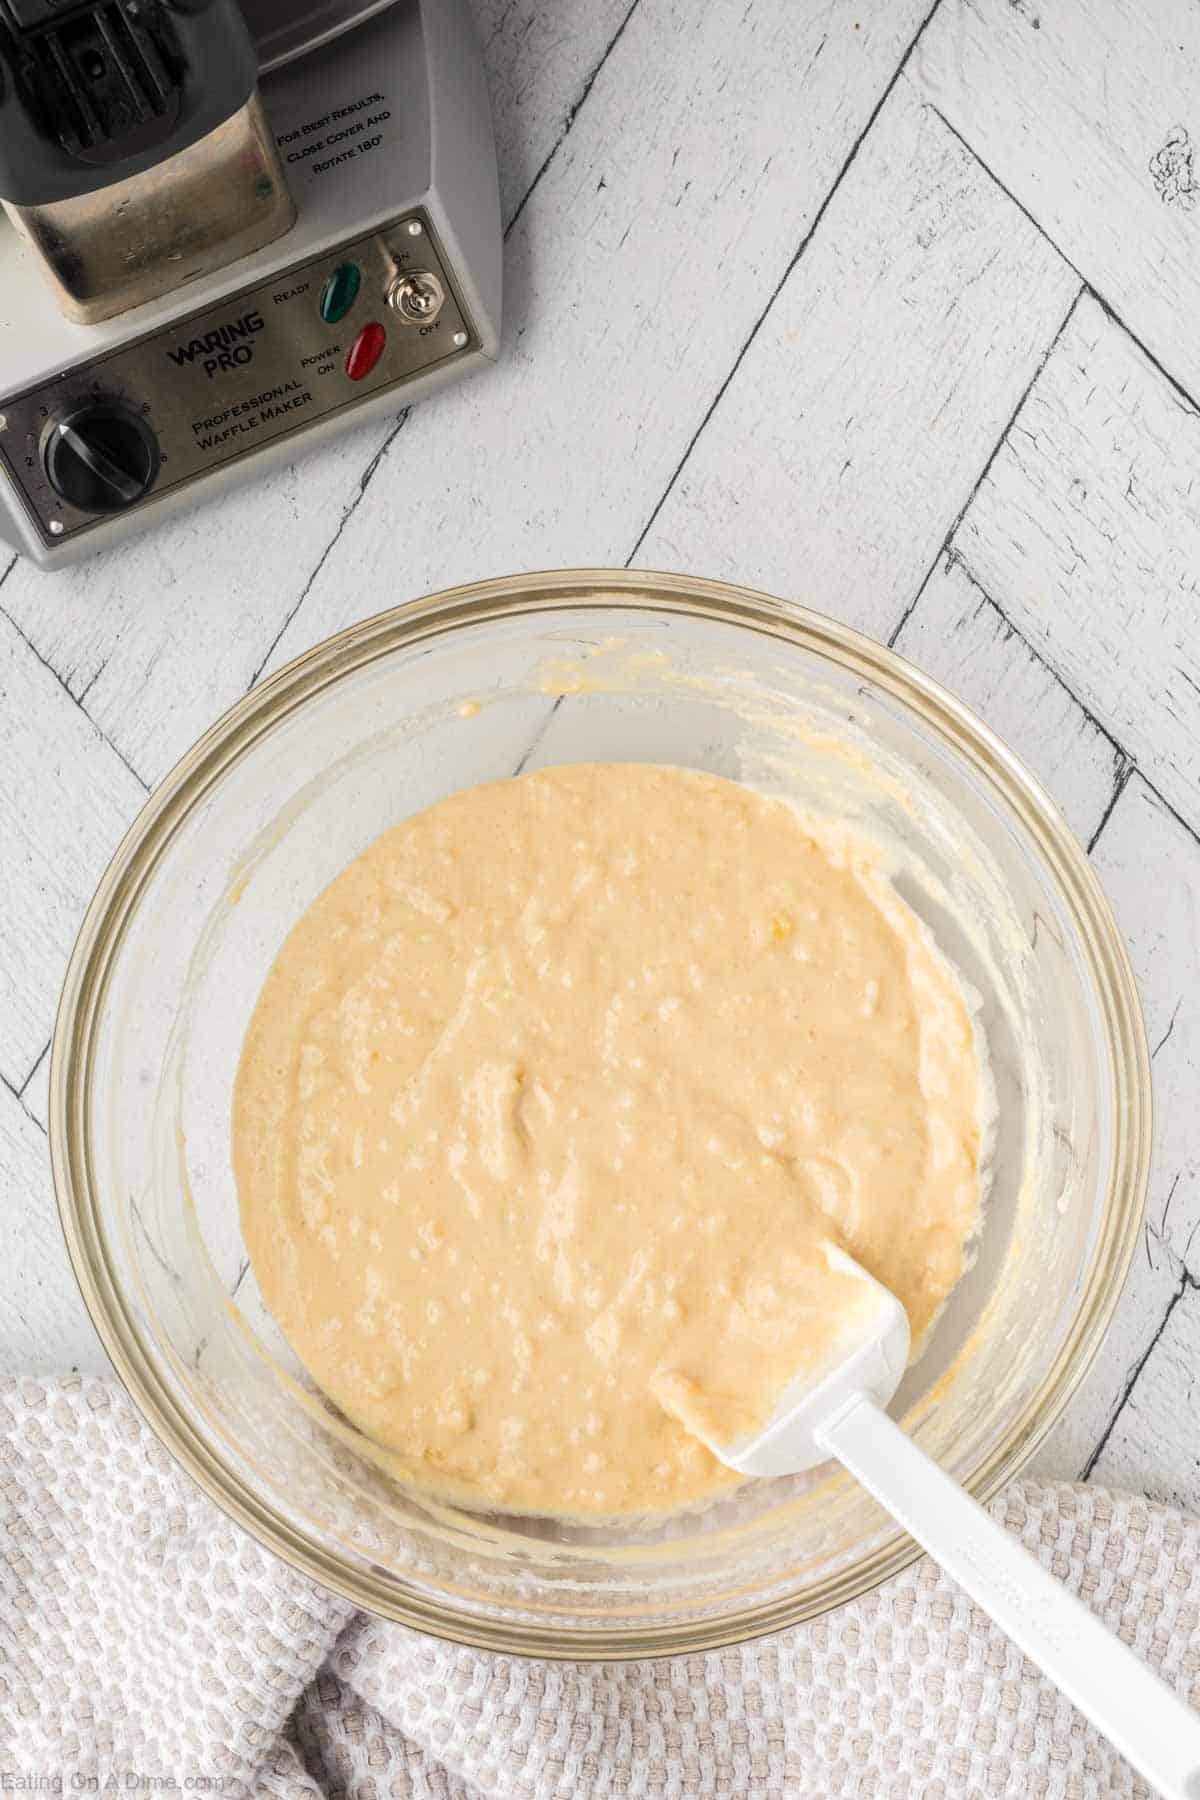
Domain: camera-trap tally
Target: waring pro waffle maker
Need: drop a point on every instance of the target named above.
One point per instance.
(231, 228)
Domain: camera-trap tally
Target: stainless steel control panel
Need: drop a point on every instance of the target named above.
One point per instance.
(158, 413)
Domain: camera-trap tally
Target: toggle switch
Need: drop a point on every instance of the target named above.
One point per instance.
(417, 296)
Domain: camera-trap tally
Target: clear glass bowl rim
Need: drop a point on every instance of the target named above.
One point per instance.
(232, 736)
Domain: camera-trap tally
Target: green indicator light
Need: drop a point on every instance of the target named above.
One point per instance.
(341, 291)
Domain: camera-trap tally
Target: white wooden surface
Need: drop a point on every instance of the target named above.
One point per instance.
(888, 309)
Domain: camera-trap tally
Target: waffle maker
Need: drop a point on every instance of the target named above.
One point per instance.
(231, 229)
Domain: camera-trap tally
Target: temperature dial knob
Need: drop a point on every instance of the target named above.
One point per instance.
(101, 457)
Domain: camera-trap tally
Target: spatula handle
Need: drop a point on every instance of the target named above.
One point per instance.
(1123, 1698)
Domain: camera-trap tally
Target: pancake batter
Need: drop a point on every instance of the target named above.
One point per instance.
(551, 1105)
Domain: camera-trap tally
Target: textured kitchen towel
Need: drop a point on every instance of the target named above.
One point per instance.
(148, 1645)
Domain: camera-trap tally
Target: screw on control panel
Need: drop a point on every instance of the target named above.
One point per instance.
(414, 228)
(460, 338)
(417, 296)
(55, 527)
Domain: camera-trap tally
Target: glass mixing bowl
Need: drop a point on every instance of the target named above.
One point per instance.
(472, 686)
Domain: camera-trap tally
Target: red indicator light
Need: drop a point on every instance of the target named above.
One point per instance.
(365, 351)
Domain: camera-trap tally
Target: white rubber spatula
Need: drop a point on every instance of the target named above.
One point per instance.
(837, 1410)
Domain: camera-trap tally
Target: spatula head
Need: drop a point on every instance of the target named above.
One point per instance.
(869, 1356)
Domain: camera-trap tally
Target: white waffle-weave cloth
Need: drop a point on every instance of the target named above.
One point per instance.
(147, 1645)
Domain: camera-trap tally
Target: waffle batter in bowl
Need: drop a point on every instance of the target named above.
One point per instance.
(387, 723)
(566, 1087)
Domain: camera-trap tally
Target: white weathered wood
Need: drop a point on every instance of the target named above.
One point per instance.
(855, 428)
(1086, 111)
(1155, 1446)
(539, 61)
(44, 1326)
(1150, 867)
(35, 1095)
(635, 275)
(1086, 532)
(65, 799)
(956, 635)
(159, 637)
